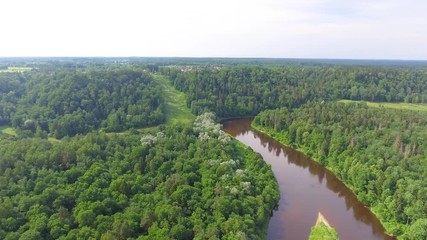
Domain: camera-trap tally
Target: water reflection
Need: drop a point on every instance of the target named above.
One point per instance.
(307, 188)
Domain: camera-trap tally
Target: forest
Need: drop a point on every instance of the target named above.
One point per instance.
(235, 91)
(378, 152)
(173, 182)
(95, 157)
(63, 102)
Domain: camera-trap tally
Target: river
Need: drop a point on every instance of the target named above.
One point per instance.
(307, 188)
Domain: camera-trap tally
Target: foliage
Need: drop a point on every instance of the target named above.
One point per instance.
(66, 103)
(113, 186)
(378, 152)
(407, 106)
(15, 69)
(206, 126)
(323, 232)
(181, 181)
(7, 130)
(247, 90)
(176, 108)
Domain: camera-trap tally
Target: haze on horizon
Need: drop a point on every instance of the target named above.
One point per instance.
(353, 29)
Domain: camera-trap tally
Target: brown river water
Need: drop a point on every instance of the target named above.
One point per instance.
(306, 188)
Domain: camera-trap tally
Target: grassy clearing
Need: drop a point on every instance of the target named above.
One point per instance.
(407, 106)
(323, 232)
(7, 130)
(16, 69)
(53, 140)
(176, 108)
(144, 130)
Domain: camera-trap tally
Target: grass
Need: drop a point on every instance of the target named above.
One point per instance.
(176, 108)
(143, 130)
(7, 130)
(407, 106)
(16, 69)
(323, 232)
(53, 140)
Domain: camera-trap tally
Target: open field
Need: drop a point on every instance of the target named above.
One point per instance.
(7, 130)
(16, 69)
(408, 106)
(176, 108)
(53, 140)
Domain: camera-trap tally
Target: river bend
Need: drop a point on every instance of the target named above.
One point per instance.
(307, 188)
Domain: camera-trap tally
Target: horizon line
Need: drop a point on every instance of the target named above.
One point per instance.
(216, 57)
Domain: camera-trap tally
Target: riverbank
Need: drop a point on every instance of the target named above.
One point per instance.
(306, 188)
(281, 137)
(322, 220)
(323, 230)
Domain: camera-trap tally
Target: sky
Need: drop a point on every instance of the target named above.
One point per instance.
(343, 29)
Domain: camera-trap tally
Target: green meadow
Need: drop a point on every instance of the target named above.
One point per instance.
(407, 106)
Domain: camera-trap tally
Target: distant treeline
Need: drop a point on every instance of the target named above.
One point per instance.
(185, 61)
(247, 90)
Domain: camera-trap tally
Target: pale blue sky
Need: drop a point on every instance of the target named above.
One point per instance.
(377, 29)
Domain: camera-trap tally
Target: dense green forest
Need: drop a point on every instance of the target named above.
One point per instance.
(183, 181)
(379, 153)
(64, 102)
(247, 90)
(175, 182)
